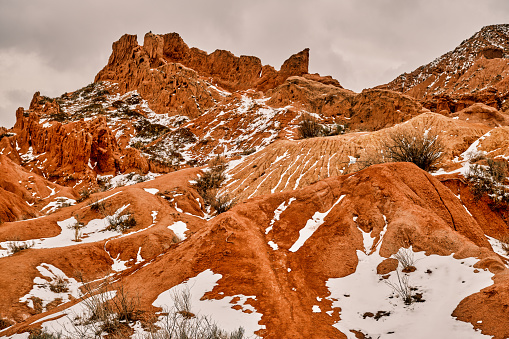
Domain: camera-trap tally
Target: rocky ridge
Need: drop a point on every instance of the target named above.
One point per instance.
(476, 71)
(315, 239)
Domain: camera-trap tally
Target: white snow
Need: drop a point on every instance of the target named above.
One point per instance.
(449, 281)
(151, 190)
(179, 228)
(92, 232)
(277, 214)
(311, 226)
(219, 311)
(58, 203)
(41, 288)
(273, 245)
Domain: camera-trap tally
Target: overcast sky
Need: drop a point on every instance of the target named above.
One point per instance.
(55, 46)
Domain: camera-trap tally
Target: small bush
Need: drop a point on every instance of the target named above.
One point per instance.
(405, 257)
(84, 194)
(133, 100)
(4, 323)
(309, 128)
(98, 206)
(58, 285)
(248, 151)
(504, 242)
(77, 226)
(222, 204)
(121, 223)
(489, 179)
(423, 148)
(401, 287)
(181, 322)
(213, 178)
(42, 334)
(15, 246)
(105, 314)
(337, 129)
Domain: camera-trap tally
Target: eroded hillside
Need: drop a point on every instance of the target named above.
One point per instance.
(177, 192)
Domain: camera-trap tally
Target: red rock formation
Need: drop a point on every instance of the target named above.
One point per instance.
(166, 72)
(72, 151)
(476, 71)
(397, 203)
(369, 110)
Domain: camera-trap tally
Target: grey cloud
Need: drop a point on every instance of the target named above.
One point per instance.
(362, 43)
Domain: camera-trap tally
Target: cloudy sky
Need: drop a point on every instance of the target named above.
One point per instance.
(54, 46)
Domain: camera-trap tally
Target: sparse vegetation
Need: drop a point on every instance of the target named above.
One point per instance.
(146, 129)
(15, 246)
(98, 206)
(77, 226)
(213, 178)
(181, 322)
(489, 179)
(405, 257)
(104, 314)
(4, 323)
(310, 128)
(61, 116)
(419, 146)
(84, 194)
(58, 285)
(401, 287)
(504, 242)
(121, 223)
(208, 184)
(222, 203)
(42, 334)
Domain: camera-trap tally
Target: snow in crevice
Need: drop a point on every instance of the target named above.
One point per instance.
(277, 213)
(311, 226)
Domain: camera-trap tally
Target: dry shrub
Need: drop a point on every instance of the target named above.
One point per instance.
(420, 146)
(222, 203)
(213, 178)
(15, 246)
(42, 334)
(4, 323)
(208, 184)
(489, 179)
(309, 127)
(121, 223)
(504, 241)
(58, 285)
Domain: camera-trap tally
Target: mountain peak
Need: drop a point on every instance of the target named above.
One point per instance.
(479, 63)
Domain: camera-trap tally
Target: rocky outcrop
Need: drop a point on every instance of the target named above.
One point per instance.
(369, 110)
(167, 72)
(70, 152)
(23, 193)
(253, 249)
(476, 71)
